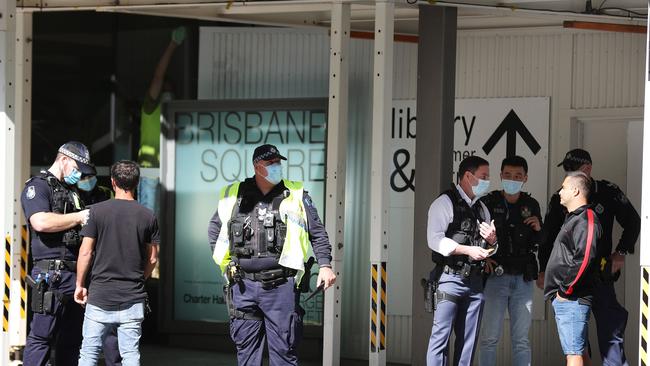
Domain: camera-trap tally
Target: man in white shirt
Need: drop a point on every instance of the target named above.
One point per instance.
(461, 235)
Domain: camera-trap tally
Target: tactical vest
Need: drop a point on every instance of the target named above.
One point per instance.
(515, 240)
(463, 229)
(280, 233)
(63, 200)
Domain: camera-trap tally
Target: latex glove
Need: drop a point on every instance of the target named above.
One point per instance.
(178, 35)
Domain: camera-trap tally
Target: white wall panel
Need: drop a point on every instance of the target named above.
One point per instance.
(577, 70)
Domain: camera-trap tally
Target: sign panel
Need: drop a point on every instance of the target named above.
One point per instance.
(214, 144)
(489, 128)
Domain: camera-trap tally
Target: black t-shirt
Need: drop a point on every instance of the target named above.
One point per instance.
(122, 229)
(37, 197)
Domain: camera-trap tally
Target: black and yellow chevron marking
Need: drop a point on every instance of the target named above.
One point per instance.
(373, 308)
(23, 272)
(382, 316)
(5, 300)
(645, 315)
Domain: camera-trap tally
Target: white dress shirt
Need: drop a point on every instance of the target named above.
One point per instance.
(441, 214)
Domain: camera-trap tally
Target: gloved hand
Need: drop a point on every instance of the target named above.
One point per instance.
(178, 35)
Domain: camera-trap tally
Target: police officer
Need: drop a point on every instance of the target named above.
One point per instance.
(90, 194)
(461, 235)
(54, 213)
(609, 203)
(513, 268)
(259, 237)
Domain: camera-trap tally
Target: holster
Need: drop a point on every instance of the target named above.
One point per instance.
(306, 277)
(42, 298)
(430, 287)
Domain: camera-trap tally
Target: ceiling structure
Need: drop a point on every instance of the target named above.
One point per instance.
(477, 14)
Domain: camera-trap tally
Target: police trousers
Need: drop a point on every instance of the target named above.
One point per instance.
(280, 326)
(611, 320)
(462, 316)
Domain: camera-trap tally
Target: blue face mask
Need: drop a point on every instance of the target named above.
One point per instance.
(73, 177)
(511, 186)
(481, 188)
(274, 173)
(87, 184)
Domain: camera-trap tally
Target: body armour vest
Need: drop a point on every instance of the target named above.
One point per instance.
(463, 229)
(259, 233)
(515, 238)
(63, 200)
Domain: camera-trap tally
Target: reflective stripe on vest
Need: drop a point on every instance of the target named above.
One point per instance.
(294, 216)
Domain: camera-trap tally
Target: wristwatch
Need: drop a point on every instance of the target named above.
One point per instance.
(621, 252)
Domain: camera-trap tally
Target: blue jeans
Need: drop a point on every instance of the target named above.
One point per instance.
(572, 320)
(513, 293)
(128, 321)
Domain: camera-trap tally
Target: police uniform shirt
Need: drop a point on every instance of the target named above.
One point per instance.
(441, 214)
(609, 203)
(35, 198)
(252, 197)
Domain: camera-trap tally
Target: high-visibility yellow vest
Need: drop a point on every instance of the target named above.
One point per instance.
(293, 215)
(149, 153)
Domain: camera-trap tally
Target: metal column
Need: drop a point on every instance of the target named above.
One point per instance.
(644, 296)
(433, 147)
(381, 107)
(8, 195)
(337, 132)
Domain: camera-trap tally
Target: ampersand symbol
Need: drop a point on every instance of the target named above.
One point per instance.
(408, 181)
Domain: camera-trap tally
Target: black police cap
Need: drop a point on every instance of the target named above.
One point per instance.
(266, 152)
(78, 152)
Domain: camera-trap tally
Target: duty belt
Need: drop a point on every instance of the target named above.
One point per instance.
(56, 265)
(474, 269)
(270, 274)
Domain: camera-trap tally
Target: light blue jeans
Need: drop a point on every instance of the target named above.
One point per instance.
(128, 321)
(513, 293)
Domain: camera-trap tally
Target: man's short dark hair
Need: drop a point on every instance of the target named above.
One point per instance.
(516, 161)
(470, 164)
(581, 181)
(126, 174)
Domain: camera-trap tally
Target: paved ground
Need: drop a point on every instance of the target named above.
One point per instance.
(168, 356)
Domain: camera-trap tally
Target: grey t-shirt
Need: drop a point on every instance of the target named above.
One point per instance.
(122, 229)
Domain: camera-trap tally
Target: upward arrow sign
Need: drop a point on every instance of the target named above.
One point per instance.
(510, 126)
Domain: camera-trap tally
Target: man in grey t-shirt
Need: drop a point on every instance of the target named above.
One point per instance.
(123, 236)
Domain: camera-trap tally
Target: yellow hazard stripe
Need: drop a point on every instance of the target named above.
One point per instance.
(7, 293)
(23, 272)
(645, 315)
(373, 308)
(382, 317)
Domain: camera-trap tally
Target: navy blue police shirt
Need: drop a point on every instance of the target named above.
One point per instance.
(35, 198)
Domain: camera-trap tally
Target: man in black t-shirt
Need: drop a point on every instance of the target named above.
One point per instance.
(124, 237)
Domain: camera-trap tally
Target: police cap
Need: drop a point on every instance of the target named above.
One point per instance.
(79, 152)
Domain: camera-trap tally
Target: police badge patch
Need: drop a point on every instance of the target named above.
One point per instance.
(599, 209)
(31, 192)
(525, 212)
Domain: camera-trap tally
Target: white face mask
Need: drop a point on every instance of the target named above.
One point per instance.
(481, 188)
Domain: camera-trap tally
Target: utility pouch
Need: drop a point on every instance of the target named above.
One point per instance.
(236, 233)
(48, 302)
(429, 295)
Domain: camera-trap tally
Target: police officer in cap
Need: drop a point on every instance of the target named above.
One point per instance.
(91, 192)
(259, 236)
(461, 235)
(609, 203)
(54, 214)
(513, 268)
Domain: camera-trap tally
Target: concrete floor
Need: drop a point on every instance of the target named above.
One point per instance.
(170, 356)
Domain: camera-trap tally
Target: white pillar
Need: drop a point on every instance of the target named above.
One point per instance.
(644, 336)
(381, 107)
(8, 196)
(337, 132)
(23, 123)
